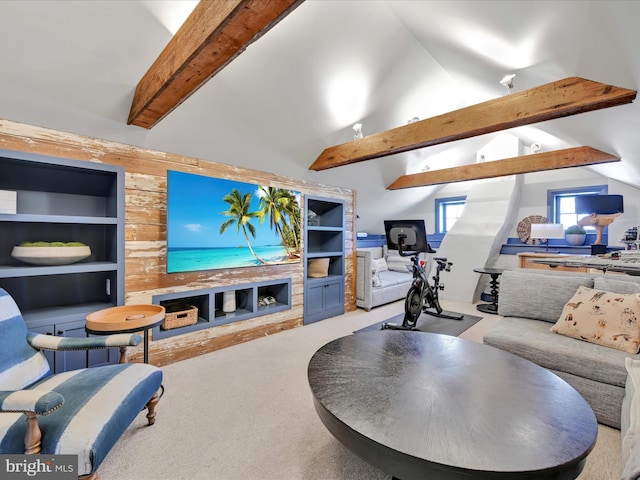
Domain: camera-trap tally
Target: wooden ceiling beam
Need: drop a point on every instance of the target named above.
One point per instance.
(567, 158)
(553, 100)
(216, 32)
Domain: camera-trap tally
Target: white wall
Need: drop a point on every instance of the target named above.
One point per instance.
(476, 238)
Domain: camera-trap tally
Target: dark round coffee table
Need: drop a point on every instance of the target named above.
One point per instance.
(422, 405)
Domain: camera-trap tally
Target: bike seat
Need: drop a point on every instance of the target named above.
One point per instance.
(440, 259)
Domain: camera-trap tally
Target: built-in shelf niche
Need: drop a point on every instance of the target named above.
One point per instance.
(281, 292)
(244, 303)
(328, 213)
(325, 241)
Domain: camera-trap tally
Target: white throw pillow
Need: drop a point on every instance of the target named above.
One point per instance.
(396, 263)
(377, 265)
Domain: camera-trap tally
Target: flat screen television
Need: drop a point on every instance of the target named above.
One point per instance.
(215, 223)
(412, 232)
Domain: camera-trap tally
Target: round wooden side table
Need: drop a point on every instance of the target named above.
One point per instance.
(126, 319)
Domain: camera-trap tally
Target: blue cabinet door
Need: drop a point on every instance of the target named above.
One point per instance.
(334, 297)
(314, 303)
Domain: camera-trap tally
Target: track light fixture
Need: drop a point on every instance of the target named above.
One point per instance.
(358, 129)
(507, 82)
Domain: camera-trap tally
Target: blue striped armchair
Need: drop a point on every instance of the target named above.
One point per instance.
(81, 412)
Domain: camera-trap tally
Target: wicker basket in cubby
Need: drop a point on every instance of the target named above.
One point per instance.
(179, 315)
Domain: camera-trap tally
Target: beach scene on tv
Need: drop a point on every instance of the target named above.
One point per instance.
(215, 223)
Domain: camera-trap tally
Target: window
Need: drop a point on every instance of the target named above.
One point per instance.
(562, 206)
(448, 210)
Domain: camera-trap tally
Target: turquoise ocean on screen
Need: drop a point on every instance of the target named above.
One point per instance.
(192, 259)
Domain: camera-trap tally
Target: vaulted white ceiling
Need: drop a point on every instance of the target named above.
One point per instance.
(74, 65)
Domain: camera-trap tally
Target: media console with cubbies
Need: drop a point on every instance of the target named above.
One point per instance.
(209, 302)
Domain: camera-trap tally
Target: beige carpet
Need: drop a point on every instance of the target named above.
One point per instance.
(246, 412)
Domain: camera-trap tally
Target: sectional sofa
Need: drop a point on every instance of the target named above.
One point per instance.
(533, 301)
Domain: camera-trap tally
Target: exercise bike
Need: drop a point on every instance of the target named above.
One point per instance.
(422, 297)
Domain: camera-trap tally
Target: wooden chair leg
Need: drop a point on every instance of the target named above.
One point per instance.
(123, 354)
(33, 437)
(33, 442)
(151, 407)
(92, 476)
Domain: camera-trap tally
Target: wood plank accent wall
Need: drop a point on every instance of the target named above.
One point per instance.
(146, 234)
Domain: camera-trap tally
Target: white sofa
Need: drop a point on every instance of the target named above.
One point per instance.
(394, 281)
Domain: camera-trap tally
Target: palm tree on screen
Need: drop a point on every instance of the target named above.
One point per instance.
(275, 205)
(292, 227)
(241, 214)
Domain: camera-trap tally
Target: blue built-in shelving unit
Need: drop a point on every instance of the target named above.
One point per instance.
(324, 239)
(63, 200)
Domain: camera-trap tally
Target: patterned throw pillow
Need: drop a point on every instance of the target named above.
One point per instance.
(606, 318)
